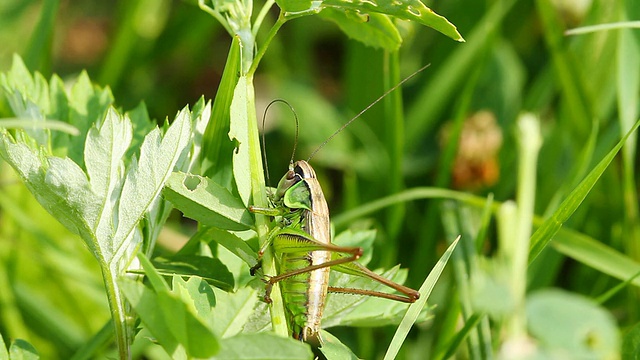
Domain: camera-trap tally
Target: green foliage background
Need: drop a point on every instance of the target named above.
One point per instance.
(516, 59)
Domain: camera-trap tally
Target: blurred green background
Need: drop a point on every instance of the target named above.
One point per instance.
(169, 53)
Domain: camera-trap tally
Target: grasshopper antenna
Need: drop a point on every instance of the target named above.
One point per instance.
(365, 110)
(264, 144)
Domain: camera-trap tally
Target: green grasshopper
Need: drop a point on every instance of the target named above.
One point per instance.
(301, 241)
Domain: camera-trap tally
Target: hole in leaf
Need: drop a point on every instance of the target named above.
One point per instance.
(412, 11)
(191, 182)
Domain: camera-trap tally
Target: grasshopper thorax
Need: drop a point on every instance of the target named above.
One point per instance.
(293, 189)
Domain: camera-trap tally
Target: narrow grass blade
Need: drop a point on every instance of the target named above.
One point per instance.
(414, 310)
(550, 227)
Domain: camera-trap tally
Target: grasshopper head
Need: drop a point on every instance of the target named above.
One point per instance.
(292, 190)
(288, 180)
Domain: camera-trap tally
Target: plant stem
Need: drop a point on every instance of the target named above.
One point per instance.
(263, 49)
(530, 142)
(209, 10)
(118, 312)
(261, 15)
(259, 195)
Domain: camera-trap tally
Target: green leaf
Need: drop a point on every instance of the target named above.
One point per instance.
(239, 133)
(416, 308)
(597, 255)
(333, 348)
(234, 244)
(200, 118)
(263, 346)
(178, 318)
(22, 350)
(59, 185)
(233, 310)
(38, 50)
(550, 226)
(374, 30)
(4, 355)
(216, 146)
(294, 5)
(563, 322)
(353, 310)
(413, 10)
(105, 205)
(631, 344)
(87, 105)
(210, 269)
(145, 179)
(201, 199)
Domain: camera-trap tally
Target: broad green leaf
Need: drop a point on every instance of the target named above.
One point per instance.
(217, 149)
(104, 158)
(178, 318)
(4, 354)
(210, 269)
(413, 10)
(201, 199)
(234, 244)
(145, 179)
(190, 327)
(263, 346)
(362, 238)
(105, 205)
(354, 310)
(88, 105)
(374, 30)
(145, 303)
(30, 97)
(142, 125)
(333, 348)
(232, 311)
(550, 226)
(22, 350)
(294, 5)
(239, 133)
(567, 323)
(59, 185)
(200, 118)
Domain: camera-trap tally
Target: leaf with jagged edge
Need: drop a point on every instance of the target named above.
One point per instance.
(413, 10)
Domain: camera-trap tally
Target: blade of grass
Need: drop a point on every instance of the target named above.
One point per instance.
(628, 83)
(414, 310)
(38, 53)
(394, 140)
(440, 90)
(597, 255)
(453, 345)
(550, 227)
(451, 219)
(579, 102)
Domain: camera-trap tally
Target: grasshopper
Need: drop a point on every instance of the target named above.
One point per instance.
(301, 241)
